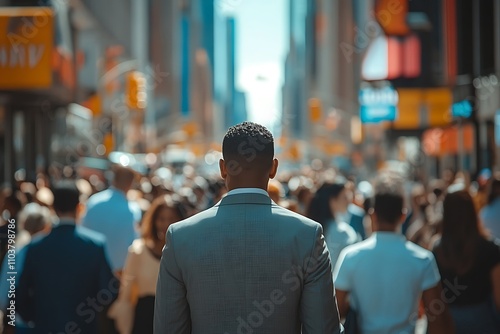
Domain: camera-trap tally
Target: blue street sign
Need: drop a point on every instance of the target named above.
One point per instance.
(461, 109)
(378, 104)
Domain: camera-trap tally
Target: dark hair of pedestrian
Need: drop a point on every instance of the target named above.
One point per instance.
(66, 196)
(123, 177)
(148, 226)
(250, 145)
(319, 208)
(460, 232)
(388, 202)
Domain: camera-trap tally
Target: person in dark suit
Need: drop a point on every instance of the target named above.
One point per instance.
(246, 265)
(66, 280)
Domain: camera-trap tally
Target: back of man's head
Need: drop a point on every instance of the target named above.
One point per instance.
(35, 218)
(123, 178)
(389, 198)
(66, 197)
(248, 146)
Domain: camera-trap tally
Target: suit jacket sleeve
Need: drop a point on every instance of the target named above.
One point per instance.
(25, 303)
(172, 314)
(319, 312)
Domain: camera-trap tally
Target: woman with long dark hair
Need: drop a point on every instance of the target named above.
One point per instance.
(329, 201)
(133, 311)
(469, 264)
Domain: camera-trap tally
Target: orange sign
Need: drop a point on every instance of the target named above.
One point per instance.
(439, 142)
(391, 15)
(26, 43)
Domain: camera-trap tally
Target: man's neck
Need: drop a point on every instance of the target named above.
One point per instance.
(120, 189)
(387, 228)
(247, 184)
(66, 216)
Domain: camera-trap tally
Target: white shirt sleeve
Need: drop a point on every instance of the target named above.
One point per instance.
(431, 276)
(342, 272)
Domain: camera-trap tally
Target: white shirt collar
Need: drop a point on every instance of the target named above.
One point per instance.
(238, 191)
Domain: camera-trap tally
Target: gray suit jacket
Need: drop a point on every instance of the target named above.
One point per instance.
(245, 265)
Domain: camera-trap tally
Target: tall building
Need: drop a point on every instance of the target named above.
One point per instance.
(296, 86)
(225, 66)
(320, 87)
(240, 113)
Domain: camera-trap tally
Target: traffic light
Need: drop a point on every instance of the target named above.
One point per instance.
(314, 109)
(136, 90)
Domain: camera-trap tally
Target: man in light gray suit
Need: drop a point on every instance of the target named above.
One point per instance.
(246, 265)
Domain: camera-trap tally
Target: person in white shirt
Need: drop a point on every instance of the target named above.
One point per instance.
(383, 278)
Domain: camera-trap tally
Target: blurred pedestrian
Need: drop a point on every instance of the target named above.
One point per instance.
(134, 309)
(12, 203)
(36, 221)
(490, 214)
(416, 216)
(66, 277)
(355, 214)
(110, 212)
(481, 195)
(231, 267)
(469, 264)
(380, 280)
(330, 201)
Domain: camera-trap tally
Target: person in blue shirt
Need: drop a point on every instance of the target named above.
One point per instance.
(110, 212)
(328, 204)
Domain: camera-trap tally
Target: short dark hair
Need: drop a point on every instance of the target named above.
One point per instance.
(389, 198)
(66, 196)
(123, 177)
(250, 145)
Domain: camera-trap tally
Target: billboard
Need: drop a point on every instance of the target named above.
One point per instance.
(26, 43)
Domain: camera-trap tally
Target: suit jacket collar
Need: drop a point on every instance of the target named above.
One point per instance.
(246, 198)
(247, 191)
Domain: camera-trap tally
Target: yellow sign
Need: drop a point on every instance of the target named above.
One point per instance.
(421, 108)
(26, 42)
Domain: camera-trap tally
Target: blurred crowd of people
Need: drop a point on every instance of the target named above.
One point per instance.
(453, 221)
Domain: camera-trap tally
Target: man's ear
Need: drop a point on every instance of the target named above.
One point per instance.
(373, 219)
(404, 214)
(80, 211)
(223, 169)
(274, 169)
